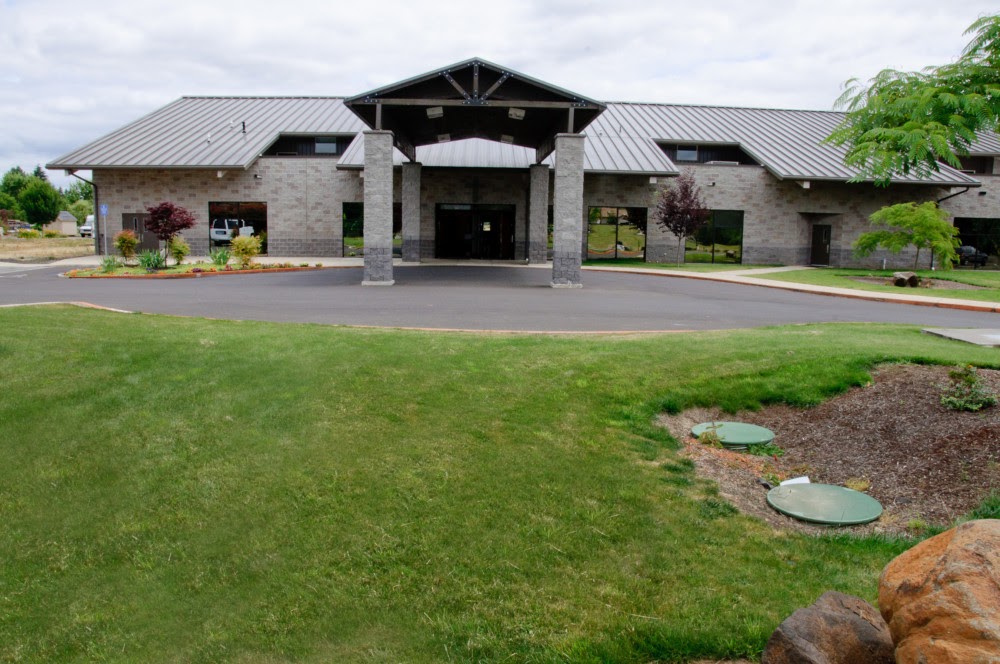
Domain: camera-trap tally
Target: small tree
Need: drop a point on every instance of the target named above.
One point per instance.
(40, 202)
(924, 226)
(245, 248)
(680, 210)
(179, 249)
(167, 220)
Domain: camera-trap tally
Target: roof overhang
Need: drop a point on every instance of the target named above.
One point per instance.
(475, 99)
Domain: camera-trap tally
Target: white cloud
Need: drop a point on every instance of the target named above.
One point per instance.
(74, 72)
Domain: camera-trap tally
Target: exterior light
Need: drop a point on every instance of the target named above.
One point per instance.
(505, 138)
(516, 113)
(435, 112)
(444, 138)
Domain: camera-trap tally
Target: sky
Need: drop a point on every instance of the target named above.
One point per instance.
(71, 72)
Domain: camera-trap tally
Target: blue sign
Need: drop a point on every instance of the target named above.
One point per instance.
(104, 209)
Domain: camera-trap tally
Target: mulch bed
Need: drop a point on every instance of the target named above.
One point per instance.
(76, 274)
(925, 463)
(925, 283)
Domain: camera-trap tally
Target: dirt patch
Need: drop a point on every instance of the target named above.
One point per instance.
(43, 249)
(923, 462)
(925, 283)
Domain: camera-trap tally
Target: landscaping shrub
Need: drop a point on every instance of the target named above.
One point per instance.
(245, 248)
(28, 234)
(220, 256)
(151, 260)
(966, 391)
(109, 264)
(51, 234)
(178, 248)
(126, 243)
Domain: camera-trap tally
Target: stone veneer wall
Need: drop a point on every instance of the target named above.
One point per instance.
(303, 196)
(488, 187)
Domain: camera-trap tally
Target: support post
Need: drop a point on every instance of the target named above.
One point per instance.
(378, 209)
(411, 212)
(538, 214)
(567, 256)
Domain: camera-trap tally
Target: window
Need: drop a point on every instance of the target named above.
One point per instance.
(353, 219)
(328, 145)
(227, 219)
(977, 165)
(309, 146)
(718, 241)
(687, 153)
(614, 232)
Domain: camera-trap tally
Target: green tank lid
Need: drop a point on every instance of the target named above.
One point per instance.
(824, 503)
(735, 435)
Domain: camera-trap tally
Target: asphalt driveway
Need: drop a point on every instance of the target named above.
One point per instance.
(473, 298)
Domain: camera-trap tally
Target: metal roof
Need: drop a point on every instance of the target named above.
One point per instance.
(208, 132)
(625, 156)
(787, 143)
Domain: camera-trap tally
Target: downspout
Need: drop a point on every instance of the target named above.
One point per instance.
(97, 238)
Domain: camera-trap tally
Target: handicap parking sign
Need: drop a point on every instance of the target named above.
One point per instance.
(104, 209)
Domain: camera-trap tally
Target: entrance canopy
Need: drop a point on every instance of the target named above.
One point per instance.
(475, 99)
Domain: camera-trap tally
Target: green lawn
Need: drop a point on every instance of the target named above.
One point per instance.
(841, 278)
(687, 267)
(187, 490)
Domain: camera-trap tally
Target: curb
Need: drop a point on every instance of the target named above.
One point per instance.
(971, 305)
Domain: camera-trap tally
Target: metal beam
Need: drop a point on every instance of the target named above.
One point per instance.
(454, 84)
(475, 80)
(461, 102)
(493, 88)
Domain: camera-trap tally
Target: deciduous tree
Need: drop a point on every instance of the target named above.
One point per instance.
(680, 210)
(904, 123)
(924, 226)
(167, 220)
(14, 180)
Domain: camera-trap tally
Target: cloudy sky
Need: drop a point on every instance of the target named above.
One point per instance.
(72, 71)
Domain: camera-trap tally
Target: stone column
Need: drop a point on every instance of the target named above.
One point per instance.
(568, 212)
(378, 209)
(661, 245)
(538, 213)
(411, 212)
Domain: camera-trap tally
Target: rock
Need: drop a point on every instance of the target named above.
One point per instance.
(941, 599)
(837, 629)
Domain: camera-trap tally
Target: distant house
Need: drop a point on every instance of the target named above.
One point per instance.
(64, 224)
(476, 161)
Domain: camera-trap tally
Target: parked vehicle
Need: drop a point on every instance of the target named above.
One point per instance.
(87, 228)
(971, 256)
(222, 230)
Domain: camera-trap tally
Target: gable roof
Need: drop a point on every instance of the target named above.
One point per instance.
(207, 132)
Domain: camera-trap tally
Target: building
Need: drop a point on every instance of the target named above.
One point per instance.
(478, 161)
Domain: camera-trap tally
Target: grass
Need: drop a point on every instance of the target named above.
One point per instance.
(687, 267)
(44, 248)
(202, 491)
(842, 278)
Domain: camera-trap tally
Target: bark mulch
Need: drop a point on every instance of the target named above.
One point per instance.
(925, 463)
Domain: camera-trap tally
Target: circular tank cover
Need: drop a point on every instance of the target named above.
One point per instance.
(736, 435)
(824, 503)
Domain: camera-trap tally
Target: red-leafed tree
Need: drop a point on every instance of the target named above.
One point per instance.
(680, 210)
(167, 220)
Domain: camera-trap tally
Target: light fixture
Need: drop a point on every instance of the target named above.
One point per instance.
(435, 112)
(444, 138)
(506, 138)
(982, 193)
(515, 113)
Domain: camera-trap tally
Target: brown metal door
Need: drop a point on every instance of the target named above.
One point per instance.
(136, 222)
(821, 244)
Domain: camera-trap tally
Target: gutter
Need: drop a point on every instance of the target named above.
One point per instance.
(957, 193)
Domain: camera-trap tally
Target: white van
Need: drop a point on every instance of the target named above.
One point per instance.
(87, 229)
(222, 230)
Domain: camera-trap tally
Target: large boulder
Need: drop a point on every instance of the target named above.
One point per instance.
(941, 598)
(837, 629)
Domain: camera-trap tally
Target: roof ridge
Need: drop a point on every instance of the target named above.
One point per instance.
(722, 106)
(263, 97)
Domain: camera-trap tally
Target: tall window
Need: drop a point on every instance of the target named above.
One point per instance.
(614, 232)
(718, 241)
